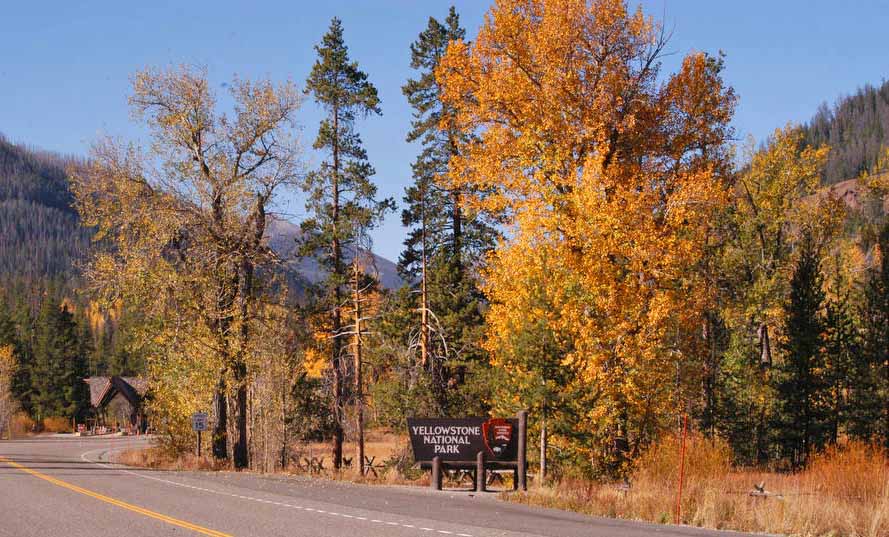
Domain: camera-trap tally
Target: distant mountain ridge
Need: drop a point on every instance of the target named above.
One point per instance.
(42, 241)
(283, 237)
(856, 128)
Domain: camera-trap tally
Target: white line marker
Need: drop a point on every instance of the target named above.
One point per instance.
(259, 500)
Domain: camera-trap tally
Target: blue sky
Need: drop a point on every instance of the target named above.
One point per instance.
(65, 65)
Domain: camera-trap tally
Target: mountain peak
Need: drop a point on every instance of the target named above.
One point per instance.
(283, 238)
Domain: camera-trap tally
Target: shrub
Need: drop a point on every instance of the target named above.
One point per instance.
(21, 425)
(705, 460)
(57, 424)
(163, 459)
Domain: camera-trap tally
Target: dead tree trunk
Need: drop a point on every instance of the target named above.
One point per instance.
(357, 349)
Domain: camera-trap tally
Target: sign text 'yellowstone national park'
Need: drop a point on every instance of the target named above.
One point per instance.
(461, 439)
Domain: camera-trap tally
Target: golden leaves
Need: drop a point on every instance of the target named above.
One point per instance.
(775, 201)
(610, 181)
(8, 363)
(184, 221)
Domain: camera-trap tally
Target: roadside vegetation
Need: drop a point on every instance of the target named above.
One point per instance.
(843, 491)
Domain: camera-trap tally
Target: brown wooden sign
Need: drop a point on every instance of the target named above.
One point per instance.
(461, 439)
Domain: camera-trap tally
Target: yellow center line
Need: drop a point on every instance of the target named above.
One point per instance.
(118, 503)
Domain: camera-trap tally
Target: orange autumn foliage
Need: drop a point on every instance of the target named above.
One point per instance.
(609, 173)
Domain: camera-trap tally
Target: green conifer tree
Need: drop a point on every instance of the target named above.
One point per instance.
(842, 352)
(342, 198)
(22, 387)
(870, 394)
(59, 365)
(124, 358)
(444, 242)
(7, 327)
(800, 418)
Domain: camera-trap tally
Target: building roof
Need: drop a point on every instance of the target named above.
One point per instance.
(138, 383)
(98, 387)
(102, 389)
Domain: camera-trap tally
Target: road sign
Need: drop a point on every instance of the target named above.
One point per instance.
(199, 421)
(460, 440)
(481, 444)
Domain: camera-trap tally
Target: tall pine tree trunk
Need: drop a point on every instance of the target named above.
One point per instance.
(342, 196)
(338, 404)
(424, 303)
(457, 230)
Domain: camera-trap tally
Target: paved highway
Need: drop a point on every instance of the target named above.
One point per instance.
(56, 486)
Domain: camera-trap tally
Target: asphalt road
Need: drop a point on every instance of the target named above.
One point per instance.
(53, 486)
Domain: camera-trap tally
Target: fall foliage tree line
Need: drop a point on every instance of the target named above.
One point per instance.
(585, 240)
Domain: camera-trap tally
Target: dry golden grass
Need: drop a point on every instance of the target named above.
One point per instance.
(844, 491)
(159, 459)
(55, 424)
(21, 425)
(381, 445)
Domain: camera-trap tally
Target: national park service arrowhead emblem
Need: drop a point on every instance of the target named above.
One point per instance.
(497, 433)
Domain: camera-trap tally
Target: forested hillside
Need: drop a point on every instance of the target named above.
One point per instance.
(57, 330)
(856, 128)
(41, 240)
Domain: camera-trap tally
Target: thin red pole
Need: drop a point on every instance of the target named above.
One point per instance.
(681, 469)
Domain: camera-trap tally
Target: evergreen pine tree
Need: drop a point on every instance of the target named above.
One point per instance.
(342, 199)
(122, 356)
(8, 366)
(443, 241)
(59, 363)
(800, 388)
(842, 351)
(22, 387)
(870, 394)
(7, 328)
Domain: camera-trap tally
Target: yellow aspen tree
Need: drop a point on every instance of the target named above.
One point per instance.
(612, 168)
(185, 221)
